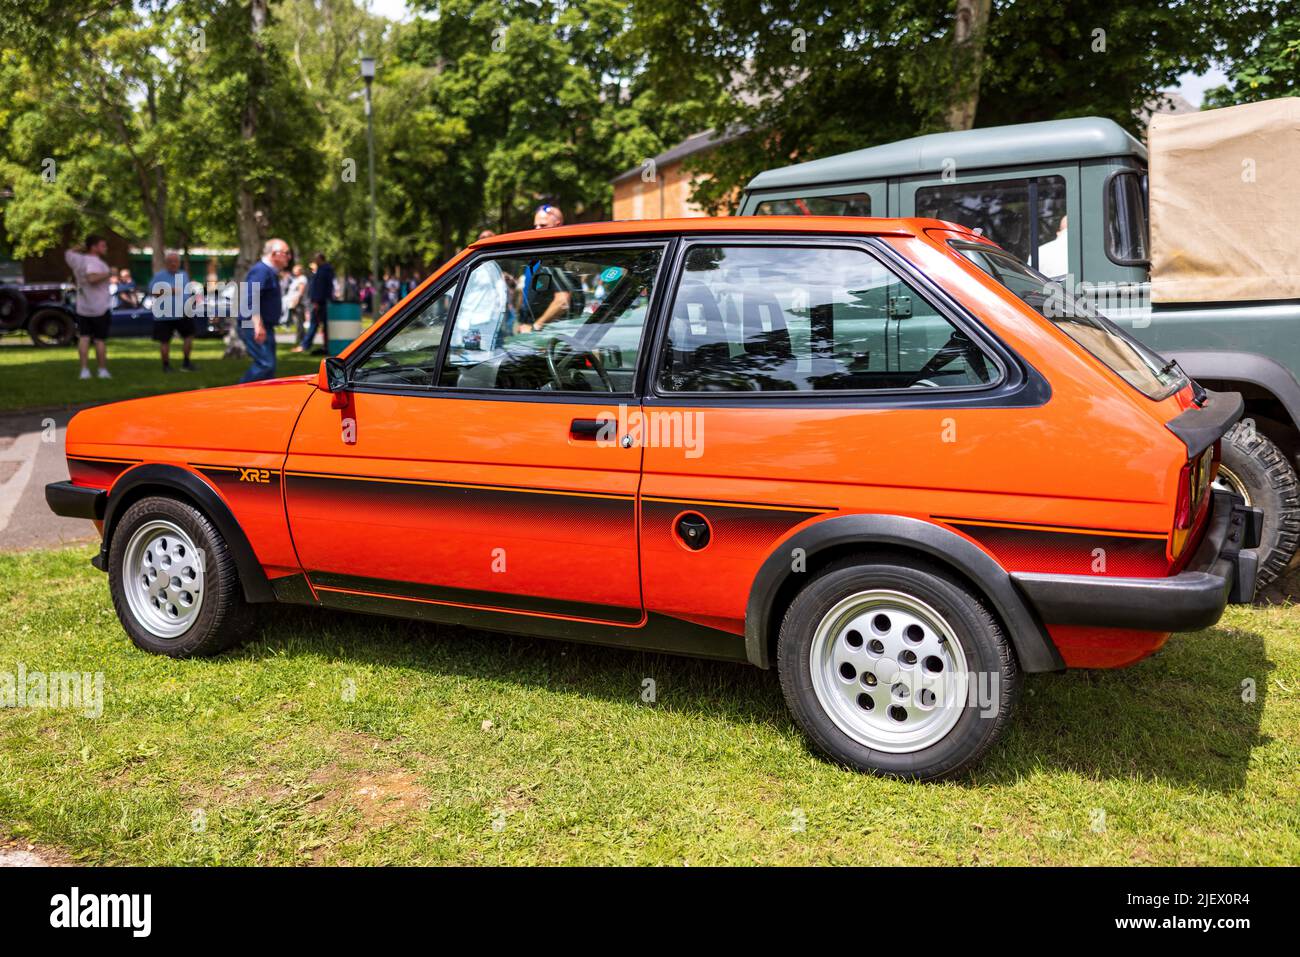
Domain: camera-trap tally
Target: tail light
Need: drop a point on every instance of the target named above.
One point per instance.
(1193, 485)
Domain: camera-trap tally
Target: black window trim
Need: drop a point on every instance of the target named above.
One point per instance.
(1107, 216)
(1013, 373)
(498, 251)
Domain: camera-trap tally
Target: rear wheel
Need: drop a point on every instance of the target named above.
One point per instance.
(52, 327)
(1257, 470)
(174, 582)
(896, 668)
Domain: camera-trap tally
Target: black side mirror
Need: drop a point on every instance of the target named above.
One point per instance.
(336, 374)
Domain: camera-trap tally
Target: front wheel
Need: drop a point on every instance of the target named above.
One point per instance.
(896, 668)
(174, 582)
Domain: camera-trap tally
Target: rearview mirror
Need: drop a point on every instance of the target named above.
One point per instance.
(333, 375)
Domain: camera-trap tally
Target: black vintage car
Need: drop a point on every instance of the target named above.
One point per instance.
(46, 311)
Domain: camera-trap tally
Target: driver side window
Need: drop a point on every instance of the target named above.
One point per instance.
(553, 322)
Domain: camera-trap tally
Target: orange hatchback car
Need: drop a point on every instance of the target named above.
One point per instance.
(883, 456)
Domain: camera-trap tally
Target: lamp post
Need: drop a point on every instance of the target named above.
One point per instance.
(368, 75)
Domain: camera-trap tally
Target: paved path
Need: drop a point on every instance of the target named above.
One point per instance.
(31, 455)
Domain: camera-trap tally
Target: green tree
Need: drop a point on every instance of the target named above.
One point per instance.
(247, 148)
(810, 79)
(1270, 70)
(322, 40)
(94, 153)
(522, 101)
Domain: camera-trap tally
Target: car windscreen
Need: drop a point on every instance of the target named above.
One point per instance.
(1133, 362)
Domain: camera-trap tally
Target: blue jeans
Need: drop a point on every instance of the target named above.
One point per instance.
(318, 320)
(262, 354)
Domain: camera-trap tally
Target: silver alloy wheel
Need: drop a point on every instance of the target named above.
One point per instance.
(889, 671)
(162, 575)
(1227, 481)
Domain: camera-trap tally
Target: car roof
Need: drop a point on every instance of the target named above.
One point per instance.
(1084, 137)
(857, 225)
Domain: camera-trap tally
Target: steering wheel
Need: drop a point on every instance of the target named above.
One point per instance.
(557, 367)
(958, 345)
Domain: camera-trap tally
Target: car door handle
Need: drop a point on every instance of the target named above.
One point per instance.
(589, 429)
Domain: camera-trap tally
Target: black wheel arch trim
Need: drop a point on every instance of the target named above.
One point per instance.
(256, 585)
(1034, 648)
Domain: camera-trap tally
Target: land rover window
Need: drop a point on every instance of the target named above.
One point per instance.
(808, 319)
(1000, 210)
(408, 354)
(1126, 218)
(556, 322)
(846, 204)
(1129, 359)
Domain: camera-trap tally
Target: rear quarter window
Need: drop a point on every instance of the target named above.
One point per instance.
(1135, 363)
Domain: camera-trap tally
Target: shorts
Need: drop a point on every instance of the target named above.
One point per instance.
(94, 327)
(163, 328)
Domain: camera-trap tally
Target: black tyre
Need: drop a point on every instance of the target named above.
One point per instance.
(894, 667)
(1259, 472)
(52, 327)
(174, 582)
(13, 309)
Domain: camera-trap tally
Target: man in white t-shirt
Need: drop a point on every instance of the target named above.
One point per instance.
(94, 306)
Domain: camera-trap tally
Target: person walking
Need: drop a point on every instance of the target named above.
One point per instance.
(320, 292)
(295, 301)
(257, 330)
(94, 278)
(170, 290)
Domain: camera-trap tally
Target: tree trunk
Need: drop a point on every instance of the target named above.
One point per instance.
(158, 219)
(155, 193)
(250, 220)
(968, 32)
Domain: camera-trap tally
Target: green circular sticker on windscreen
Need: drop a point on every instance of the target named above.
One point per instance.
(612, 275)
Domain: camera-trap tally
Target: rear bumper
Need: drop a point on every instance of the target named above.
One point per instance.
(1221, 572)
(75, 501)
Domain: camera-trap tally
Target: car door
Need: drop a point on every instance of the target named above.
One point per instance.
(476, 462)
(763, 413)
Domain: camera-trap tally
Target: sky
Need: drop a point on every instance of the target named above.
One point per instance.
(392, 9)
(1190, 86)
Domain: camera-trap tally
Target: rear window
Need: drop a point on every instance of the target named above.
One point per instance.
(844, 204)
(1133, 362)
(1025, 216)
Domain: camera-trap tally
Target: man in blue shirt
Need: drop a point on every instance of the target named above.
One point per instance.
(257, 330)
(320, 291)
(169, 288)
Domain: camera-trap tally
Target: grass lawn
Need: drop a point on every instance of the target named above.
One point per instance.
(468, 748)
(32, 378)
